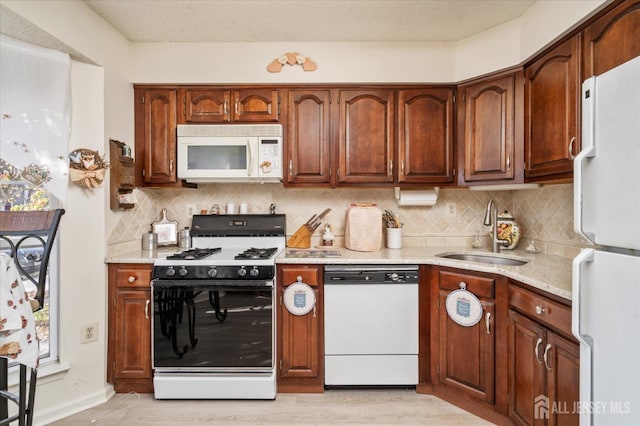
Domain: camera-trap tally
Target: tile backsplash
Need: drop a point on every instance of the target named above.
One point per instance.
(545, 214)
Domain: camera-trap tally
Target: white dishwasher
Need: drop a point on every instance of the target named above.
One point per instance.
(371, 325)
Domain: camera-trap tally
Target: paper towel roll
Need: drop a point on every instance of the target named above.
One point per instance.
(417, 197)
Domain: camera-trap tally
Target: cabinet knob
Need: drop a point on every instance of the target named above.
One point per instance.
(540, 310)
(131, 278)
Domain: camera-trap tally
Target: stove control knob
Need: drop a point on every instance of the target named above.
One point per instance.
(212, 272)
(242, 272)
(254, 272)
(393, 276)
(170, 271)
(183, 272)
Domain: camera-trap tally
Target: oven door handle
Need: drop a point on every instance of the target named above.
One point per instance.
(227, 284)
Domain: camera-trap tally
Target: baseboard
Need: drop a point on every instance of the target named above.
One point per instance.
(45, 417)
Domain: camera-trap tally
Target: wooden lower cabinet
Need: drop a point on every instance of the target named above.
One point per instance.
(300, 338)
(469, 362)
(129, 328)
(544, 366)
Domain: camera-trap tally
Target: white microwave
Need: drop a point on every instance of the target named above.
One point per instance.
(230, 152)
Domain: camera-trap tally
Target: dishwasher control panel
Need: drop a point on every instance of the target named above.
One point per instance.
(371, 274)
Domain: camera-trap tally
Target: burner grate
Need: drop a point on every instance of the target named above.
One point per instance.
(257, 253)
(194, 254)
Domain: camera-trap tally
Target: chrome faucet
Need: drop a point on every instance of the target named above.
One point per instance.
(491, 219)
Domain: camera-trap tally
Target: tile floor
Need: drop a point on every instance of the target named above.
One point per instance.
(334, 407)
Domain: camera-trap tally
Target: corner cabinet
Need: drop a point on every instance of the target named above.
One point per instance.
(425, 136)
(155, 137)
(490, 119)
(544, 361)
(612, 39)
(468, 362)
(215, 105)
(300, 338)
(552, 112)
(129, 328)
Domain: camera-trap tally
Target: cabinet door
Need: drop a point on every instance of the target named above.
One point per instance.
(563, 378)
(366, 122)
(489, 129)
(467, 358)
(308, 137)
(156, 133)
(255, 105)
(612, 40)
(205, 106)
(526, 370)
(300, 337)
(425, 136)
(132, 356)
(552, 94)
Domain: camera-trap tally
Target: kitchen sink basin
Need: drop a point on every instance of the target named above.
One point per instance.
(484, 258)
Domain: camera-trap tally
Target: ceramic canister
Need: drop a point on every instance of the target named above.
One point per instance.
(508, 230)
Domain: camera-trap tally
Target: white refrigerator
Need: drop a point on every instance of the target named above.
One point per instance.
(606, 276)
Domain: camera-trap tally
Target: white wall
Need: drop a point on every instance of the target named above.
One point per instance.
(82, 270)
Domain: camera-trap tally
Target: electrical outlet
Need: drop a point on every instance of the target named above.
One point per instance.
(450, 209)
(89, 333)
(191, 210)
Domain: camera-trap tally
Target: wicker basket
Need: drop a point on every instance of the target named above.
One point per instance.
(363, 230)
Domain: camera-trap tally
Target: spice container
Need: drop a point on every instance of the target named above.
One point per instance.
(150, 241)
(185, 238)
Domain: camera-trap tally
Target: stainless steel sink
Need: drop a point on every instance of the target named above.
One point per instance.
(484, 258)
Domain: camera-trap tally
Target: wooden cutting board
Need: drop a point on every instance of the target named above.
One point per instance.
(166, 229)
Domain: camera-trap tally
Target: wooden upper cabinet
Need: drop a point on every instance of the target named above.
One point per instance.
(210, 105)
(255, 105)
(308, 137)
(205, 105)
(155, 135)
(366, 136)
(552, 98)
(612, 39)
(425, 135)
(491, 129)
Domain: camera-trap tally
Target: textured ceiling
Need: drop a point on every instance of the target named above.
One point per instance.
(304, 20)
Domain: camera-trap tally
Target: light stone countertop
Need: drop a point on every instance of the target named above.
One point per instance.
(551, 274)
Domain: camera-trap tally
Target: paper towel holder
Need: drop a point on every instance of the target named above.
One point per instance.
(421, 197)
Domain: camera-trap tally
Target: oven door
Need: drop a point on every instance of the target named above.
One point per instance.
(207, 326)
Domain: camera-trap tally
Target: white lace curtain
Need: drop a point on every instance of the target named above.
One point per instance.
(35, 108)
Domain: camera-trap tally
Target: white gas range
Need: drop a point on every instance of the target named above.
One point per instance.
(213, 325)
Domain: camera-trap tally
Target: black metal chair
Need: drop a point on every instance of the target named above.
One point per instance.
(16, 229)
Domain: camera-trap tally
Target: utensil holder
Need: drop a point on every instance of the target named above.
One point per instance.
(394, 238)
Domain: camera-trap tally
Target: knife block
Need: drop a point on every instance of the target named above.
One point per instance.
(301, 238)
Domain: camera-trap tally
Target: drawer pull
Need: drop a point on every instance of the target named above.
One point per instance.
(545, 356)
(537, 350)
(132, 279)
(146, 309)
(487, 322)
(540, 310)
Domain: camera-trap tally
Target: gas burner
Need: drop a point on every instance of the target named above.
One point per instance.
(257, 253)
(194, 254)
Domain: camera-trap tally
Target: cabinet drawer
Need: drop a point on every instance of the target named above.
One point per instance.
(541, 309)
(480, 286)
(133, 276)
